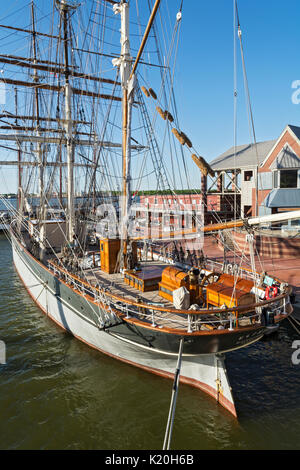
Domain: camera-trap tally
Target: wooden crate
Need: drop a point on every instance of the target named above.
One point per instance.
(219, 294)
(172, 278)
(240, 284)
(165, 292)
(145, 280)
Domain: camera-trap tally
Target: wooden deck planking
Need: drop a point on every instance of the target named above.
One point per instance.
(116, 285)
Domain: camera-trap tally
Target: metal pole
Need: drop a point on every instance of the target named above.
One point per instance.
(169, 428)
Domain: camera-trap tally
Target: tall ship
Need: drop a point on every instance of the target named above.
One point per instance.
(94, 127)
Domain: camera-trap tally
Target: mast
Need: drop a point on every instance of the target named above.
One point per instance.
(39, 145)
(128, 81)
(127, 101)
(68, 125)
(19, 158)
(60, 176)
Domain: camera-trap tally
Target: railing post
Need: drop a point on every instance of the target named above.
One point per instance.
(284, 305)
(189, 324)
(230, 319)
(258, 311)
(153, 322)
(127, 314)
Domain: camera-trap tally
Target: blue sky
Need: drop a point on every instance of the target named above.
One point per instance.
(271, 39)
(204, 79)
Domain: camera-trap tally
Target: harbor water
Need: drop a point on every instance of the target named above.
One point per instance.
(57, 393)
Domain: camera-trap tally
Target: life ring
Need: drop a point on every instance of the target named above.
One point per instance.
(271, 292)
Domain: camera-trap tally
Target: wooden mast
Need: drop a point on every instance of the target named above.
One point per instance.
(68, 125)
(19, 158)
(40, 153)
(37, 136)
(127, 100)
(128, 85)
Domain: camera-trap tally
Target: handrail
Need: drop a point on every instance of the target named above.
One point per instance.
(238, 310)
(192, 323)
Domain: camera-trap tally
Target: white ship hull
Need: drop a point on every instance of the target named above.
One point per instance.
(206, 372)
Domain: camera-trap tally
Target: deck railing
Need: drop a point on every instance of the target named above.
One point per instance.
(159, 316)
(211, 265)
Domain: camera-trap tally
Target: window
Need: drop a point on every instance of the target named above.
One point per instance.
(275, 179)
(288, 178)
(295, 222)
(248, 175)
(247, 211)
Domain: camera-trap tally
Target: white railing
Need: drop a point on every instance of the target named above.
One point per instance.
(158, 317)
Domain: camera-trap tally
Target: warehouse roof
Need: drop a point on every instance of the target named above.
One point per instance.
(243, 156)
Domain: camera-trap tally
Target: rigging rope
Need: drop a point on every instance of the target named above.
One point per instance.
(167, 81)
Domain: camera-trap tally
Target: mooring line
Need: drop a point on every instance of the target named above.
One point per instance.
(295, 320)
(292, 324)
(169, 428)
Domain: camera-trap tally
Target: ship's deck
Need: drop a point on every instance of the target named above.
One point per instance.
(116, 285)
